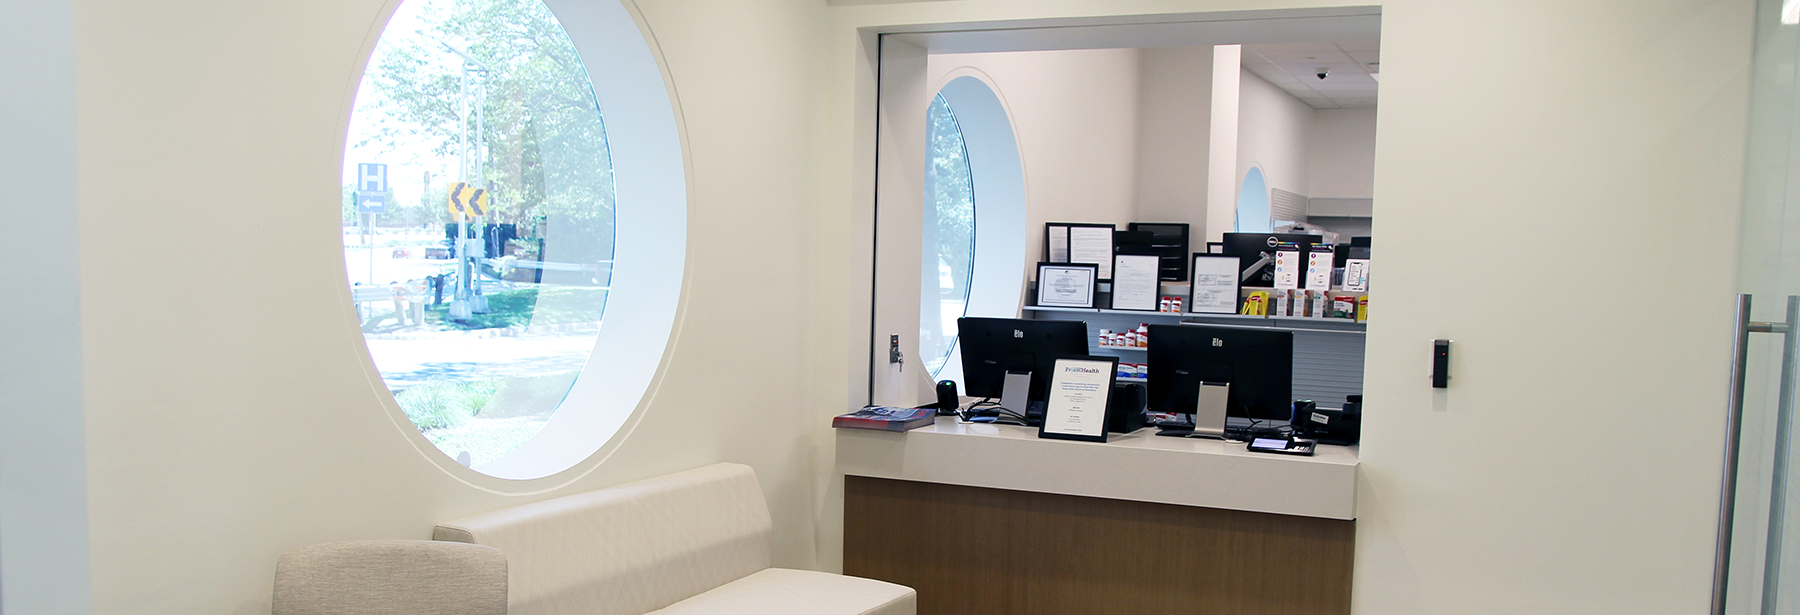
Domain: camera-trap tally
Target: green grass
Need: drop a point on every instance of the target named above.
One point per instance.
(487, 439)
(486, 418)
(445, 405)
(517, 308)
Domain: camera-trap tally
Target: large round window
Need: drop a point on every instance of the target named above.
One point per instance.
(483, 221)
(949, 233)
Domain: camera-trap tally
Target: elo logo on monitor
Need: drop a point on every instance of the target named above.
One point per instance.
(1218, 343)
(1017, 333)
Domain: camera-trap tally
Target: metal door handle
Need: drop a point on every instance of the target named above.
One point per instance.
(1784, 419)
(1734, 423)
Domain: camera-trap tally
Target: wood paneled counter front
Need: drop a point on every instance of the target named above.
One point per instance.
(990, 519)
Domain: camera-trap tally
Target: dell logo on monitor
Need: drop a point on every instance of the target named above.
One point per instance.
(1218, 343)
(1018, 334)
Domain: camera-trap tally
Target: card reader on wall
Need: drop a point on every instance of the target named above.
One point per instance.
(1440, 364)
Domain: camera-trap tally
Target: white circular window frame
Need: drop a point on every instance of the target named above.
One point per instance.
(650, 252)
(997, 173)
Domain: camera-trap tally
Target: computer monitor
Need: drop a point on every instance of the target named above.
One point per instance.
(1259, 365)
(992, 347)
(1256, 254)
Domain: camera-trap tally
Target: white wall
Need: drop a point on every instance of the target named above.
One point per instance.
(1272, 133)
(1340, 154)
(1076, 117)
(224, 427)
(1174, 129)
(1511, 513)
(221, 432)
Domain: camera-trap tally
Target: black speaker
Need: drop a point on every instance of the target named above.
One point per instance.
(1125, 409)
(948, 400)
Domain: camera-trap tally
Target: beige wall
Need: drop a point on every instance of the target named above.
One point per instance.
(1174, 133)
(228, 413)
(1340, 157)
(1273, 131)
(1075, 114)
(224, 426)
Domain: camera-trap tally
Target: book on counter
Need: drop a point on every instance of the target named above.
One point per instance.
(886, 418)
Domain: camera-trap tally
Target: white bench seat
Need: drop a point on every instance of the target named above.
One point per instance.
(690, 542)
(785, 591)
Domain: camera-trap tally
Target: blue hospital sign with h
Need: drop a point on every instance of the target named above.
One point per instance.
(371, 188)
(371, 177)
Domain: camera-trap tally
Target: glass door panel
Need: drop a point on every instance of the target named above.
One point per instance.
(1763, 528)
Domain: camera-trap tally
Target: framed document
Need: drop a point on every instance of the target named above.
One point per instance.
(1066, 284)
(1080, 387)
(1056, 242)
(1214, 287)
(1135, 280)
(1080, 242)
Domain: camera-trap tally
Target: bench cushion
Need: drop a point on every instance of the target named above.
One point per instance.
(629, 549)
(782, 591)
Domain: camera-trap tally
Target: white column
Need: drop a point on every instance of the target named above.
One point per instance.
(1221, 166)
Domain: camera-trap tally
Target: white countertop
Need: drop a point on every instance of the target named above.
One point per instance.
(1139, 466)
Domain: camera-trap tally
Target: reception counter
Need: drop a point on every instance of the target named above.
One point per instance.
(983, 518)
(1140, 466)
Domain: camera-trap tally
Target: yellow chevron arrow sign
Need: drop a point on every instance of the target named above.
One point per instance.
(468, 200)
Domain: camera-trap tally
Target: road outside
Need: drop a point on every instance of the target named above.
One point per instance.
(478, 387)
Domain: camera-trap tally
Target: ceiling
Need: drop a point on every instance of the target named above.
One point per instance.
(1276, 43)
(1136, 31)
(1294, 67)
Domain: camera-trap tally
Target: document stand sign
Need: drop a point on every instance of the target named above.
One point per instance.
(1080, 388)
(1318, 267)
(1287, 266)
(1356, 275)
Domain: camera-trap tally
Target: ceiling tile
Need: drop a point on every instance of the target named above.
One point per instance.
(1323, 57)
(1323, 47)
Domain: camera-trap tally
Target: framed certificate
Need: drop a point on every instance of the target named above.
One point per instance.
(1214, 287)
(1080, 242)
(1135, 280)
(1066, 284)
(1080, 387)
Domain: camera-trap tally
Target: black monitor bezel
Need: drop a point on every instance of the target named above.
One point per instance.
(1269, 352)
(969, 337)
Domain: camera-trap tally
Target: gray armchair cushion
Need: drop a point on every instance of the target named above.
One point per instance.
(391, 577)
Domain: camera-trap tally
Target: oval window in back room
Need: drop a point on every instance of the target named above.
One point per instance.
(478, 219)
(949, 235)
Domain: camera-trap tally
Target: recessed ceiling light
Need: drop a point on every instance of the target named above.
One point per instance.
(1790, 12)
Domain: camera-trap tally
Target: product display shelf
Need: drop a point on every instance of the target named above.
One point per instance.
(1279, 322)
